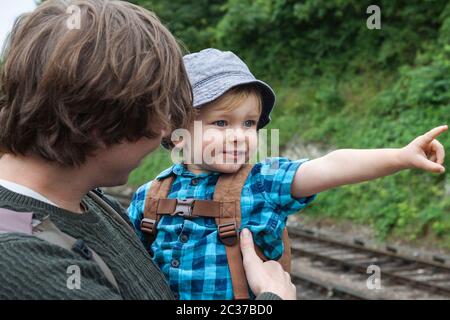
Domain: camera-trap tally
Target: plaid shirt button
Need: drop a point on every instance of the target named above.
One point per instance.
(194, 182)
(175, 263)
(184, 238)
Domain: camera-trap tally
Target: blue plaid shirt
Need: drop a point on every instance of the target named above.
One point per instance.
(189, 251)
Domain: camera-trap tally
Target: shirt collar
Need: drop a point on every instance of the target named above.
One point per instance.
(180, 170)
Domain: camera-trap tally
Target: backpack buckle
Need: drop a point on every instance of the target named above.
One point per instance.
(148, 226)
(184, 208)
(228, 233)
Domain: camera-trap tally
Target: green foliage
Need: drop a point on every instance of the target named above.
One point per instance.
(152, 165)
(338, 82)
(191, 21)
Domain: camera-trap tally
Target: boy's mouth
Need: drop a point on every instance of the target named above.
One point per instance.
(233, 154)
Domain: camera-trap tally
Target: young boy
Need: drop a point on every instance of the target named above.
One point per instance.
(231, 107)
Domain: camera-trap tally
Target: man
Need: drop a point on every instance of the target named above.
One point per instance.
(82, 104)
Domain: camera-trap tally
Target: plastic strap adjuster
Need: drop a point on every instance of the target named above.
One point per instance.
(148, 226)
(228, 233)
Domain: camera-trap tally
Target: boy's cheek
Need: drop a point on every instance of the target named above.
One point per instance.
(212, 147)
(252, 142)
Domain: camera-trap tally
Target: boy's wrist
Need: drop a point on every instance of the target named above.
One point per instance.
(402, 159)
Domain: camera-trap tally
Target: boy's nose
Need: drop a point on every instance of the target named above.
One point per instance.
(235, 135)
(231, 135)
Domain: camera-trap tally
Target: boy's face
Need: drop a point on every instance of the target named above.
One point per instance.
(228, 137)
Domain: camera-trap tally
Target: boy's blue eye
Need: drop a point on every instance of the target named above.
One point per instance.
(220, 123)
(249, 123)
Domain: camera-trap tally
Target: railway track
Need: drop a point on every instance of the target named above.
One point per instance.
(402, 277)
(324, 267)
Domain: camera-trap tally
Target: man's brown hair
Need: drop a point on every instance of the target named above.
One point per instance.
(120, 75)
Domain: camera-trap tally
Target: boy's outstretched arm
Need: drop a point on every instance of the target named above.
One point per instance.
(347, 166)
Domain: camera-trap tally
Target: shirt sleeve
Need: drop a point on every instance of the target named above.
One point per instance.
(276, 177)
(268, 296)
(137, 207)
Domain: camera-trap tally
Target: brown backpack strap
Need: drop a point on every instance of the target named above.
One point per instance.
(157, 204)
(159, 190)
(228, 191)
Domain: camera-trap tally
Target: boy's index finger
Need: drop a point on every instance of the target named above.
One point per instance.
(435, 132)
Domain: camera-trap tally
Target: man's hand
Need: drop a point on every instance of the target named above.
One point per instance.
(266, 276)
(425, 152)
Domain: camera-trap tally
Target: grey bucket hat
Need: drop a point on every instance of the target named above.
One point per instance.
(213, 72)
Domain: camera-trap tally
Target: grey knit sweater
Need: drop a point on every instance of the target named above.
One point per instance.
(31, 268)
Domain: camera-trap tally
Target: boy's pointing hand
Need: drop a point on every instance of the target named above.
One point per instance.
(425, 152)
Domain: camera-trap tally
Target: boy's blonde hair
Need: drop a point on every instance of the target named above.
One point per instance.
(235, 96)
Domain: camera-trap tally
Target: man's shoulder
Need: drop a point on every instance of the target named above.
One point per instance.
(11, 239)
(17, 248)
(32, 268)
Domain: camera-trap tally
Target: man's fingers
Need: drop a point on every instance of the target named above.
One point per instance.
(248, 248)
(433, 133)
